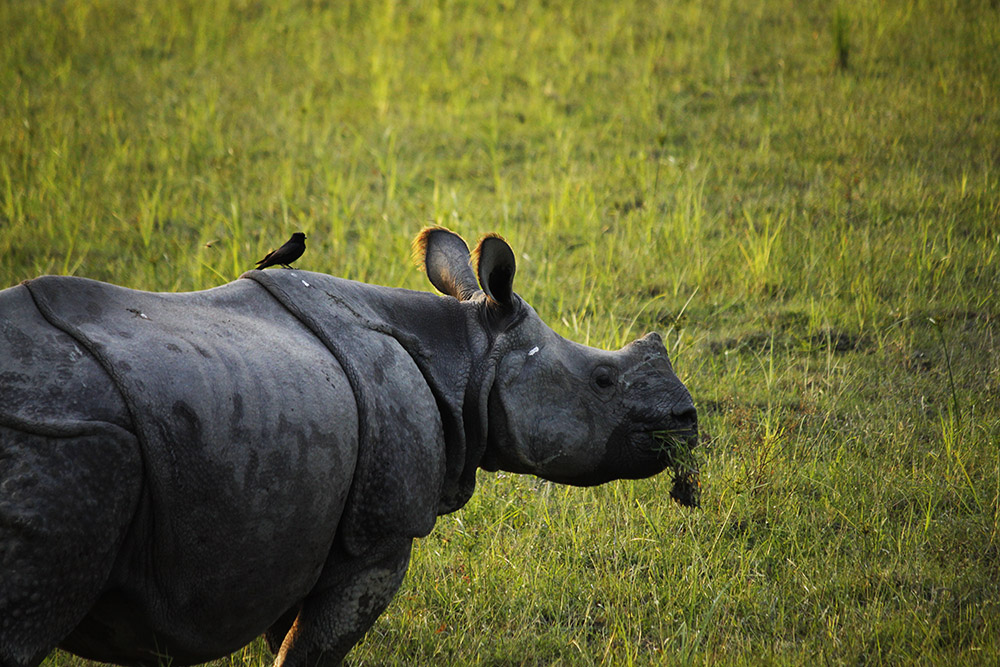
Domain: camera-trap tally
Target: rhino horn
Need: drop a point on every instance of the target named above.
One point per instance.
(496, 267)
(444, 256)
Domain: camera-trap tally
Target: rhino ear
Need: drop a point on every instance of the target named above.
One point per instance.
(496, 267)
(444, 256)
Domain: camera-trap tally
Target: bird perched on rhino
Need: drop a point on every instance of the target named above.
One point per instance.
(286, 254)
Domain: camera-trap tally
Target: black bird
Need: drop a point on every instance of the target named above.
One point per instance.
(286, 254)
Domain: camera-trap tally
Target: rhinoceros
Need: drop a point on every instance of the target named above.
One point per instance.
(183, 472)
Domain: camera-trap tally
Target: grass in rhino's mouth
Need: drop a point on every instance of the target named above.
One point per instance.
(686, 488)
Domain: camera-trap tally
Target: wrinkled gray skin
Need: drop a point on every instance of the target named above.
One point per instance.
(180, 473)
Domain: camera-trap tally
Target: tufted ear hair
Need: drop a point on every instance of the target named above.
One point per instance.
(496, 267)
(444, 256)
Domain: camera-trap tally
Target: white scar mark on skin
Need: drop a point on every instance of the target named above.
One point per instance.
(532, 351)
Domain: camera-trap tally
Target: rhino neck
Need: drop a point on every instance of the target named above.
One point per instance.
(440, 334)
(452, 366)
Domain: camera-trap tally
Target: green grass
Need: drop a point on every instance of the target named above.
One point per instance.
(804, 198)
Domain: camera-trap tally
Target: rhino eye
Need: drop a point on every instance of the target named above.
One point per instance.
(603, 377)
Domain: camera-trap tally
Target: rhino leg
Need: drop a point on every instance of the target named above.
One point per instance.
(65, 504)
(351, 595)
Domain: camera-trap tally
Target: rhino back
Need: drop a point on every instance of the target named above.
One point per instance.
(248, 431)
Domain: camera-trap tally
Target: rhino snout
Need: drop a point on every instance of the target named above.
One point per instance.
(684, 411)
(685, 415)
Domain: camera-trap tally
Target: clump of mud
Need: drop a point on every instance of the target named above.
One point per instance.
(686, 488)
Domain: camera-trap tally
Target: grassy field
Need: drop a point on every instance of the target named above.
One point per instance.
(802, 197)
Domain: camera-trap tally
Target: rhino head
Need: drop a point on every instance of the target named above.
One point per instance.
(565, 412)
